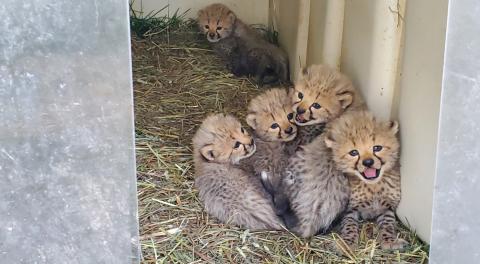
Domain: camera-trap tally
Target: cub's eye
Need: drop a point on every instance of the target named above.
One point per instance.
(353, 153)
(274, 126)
(237, 145)
(316, 105)
(242, 130)
(300, 95)
(219, 28)
(207, 27)
(377, 148)
(290, 116)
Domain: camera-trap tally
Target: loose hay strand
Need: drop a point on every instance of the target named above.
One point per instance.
(176, 84)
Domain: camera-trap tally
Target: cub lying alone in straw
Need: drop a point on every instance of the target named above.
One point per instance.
(243, 49)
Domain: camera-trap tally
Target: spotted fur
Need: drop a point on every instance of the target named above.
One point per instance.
(321, 95)
(271, 117)
(367, 152)
(244, 51)
(314, 190)
(229, 193)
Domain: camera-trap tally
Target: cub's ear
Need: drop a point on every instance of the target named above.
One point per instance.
(200, 13)
(208, 152)
(392, 126)
(252, 120)
(329, 141)
(232, 16)
(345, 99)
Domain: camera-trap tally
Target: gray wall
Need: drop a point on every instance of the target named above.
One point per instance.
(456, 214)
(67, 164)
(417, 108)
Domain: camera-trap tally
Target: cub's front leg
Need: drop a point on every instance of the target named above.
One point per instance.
(349, 228)
(387, 236)
(228, 50)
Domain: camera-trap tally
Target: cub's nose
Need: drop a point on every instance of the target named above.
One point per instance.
(211, 34)
(289, 130)
(368, 162)
(300, 111)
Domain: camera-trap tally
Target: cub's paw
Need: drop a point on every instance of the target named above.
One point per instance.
(395, 244)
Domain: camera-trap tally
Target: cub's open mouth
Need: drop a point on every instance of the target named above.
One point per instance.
(371, 173)
(300, 119)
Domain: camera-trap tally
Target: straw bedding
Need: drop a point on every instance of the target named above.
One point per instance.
(177, 82)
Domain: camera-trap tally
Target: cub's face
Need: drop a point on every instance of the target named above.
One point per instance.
(274, 126)
(216, 22)
(270, 115)
(363, 147)
(222, 139)
(314, 103)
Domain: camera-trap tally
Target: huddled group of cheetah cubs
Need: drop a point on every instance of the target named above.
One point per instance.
(314, 155)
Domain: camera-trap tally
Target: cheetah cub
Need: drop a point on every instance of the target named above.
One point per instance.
(270, 115)
(228, 192)
(315, 191)
(367, 152)
(321, 95)
(243, 49)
